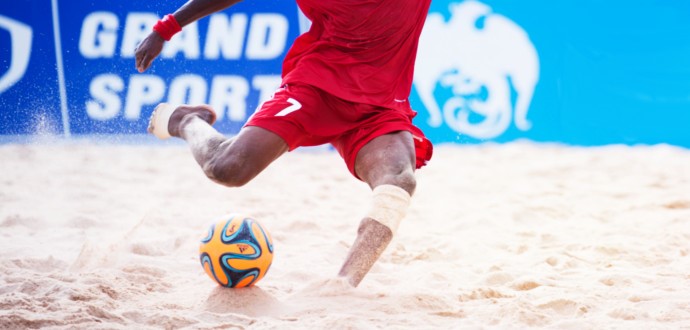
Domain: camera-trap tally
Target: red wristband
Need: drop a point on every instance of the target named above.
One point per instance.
(167, 27)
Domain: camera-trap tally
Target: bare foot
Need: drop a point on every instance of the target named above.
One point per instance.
(171, 119)
(185, 113)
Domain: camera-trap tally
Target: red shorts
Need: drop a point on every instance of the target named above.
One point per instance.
(304, 115)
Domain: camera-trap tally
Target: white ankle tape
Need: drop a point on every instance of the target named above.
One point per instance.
(389, 206)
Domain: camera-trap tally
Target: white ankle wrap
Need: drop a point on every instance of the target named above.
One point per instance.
(160, 119)
(389, 207)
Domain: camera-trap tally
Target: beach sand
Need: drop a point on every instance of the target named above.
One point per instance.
(105, 236)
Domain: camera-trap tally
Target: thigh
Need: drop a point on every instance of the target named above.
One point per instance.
(386, 159)
(391, 129)
(301, 115)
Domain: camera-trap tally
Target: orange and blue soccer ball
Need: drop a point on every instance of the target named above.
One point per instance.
(237, 251)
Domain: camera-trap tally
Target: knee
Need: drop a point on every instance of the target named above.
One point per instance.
(407, 181)
(404, 179)
(228, 171)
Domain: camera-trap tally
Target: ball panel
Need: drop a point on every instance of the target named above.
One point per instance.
(209, 236)
(262, 236)
(238, 276)
(210, 270)
(232, 230)
(249, 280)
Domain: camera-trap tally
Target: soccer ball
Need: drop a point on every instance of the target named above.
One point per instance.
(237, 251)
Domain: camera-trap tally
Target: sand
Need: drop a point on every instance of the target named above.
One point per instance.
(105, 236)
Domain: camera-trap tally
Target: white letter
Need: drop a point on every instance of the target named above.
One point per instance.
(230, 92)
(98, 35)
(143, 90)
(137, 27)
(224, 37)
(186, 42)
(267, 85)
(105, 103)
(21, 36)
(187, 89)
(267, 36)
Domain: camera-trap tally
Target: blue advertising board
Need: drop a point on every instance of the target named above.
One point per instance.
(577, 72)
(230, 60)
(29, 94)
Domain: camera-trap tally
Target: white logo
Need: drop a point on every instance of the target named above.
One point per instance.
(294, 106)
(486, 61)
(20, 35)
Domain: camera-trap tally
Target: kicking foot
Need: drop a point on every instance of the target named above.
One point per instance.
(166, 118)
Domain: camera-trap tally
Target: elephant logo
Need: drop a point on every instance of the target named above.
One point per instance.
(20, 36)
(475, 70)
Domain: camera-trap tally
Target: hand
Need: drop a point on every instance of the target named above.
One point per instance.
(148, 50)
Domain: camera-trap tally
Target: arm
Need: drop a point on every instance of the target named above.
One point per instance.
(194, 10)
(190, 12)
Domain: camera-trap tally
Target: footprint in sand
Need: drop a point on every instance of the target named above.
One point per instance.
(565, 307)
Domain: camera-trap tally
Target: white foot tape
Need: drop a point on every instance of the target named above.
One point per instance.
(389, 206)
(158, 124)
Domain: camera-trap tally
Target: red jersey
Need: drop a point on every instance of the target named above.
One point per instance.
(359, 50)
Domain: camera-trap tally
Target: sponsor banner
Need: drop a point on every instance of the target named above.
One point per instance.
(230, 60)
(582, 73)
(577, 72)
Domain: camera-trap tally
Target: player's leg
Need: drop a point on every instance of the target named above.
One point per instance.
(232, 162)
(387, 164)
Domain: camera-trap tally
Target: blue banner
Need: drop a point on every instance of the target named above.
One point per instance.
(29, 93)
(230, 60)
(575, 72)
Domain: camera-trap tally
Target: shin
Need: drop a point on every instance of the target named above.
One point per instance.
(390, 204)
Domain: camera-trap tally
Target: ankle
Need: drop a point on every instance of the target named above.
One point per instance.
(178, 128)
(184, 115)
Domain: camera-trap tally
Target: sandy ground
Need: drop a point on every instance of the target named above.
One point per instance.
(102, 236)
